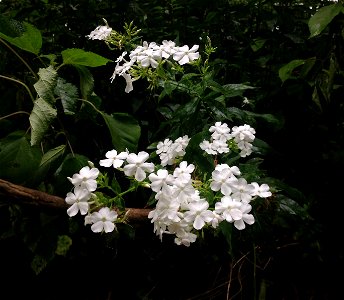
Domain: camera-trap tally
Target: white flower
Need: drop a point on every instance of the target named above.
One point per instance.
(261, 191)
(86, 178)
(222, 180)
(129, 81)
(113, 159)
(167, 48)
(100, 33)
(198, 214)
(103, 220)
(163, 146)
(242, 191)
(160, 179)
(229, 209)
(78, 201)
(183, 172)
(220, 131)
(186, 238)
(148, 58)
(137, 166)
(208, 147)
(246, 217)
(183, 55)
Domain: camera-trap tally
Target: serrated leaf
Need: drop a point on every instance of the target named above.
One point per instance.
(46, 84)
(81, 57)
(285, 72)
(30, 39)
(319, 21)
(69, 95)
(124, 129)
(42, 115)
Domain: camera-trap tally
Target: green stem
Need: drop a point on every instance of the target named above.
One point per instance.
(90, 103)
(23, 84)
(15, 113)
(20, 58)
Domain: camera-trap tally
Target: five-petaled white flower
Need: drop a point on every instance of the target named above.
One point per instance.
(114, 159)
(102, 220)
(86, 178)
(78, 201)
(184, 55)
(137, 166)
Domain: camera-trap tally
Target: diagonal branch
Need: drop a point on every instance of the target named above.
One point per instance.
(24, 195)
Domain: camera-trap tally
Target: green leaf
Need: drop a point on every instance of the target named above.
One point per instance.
(257, 44)
(38, 264)
(86, 81)
(80, 57)
(30, 39)
(69, 95)
(42, 115)
(46, 84)
(285, 72)
(124, 129)
(49, 158)
(319, 21)
(235, 89)
(18, 160)
(63, 244)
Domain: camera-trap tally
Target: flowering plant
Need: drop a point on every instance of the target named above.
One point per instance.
(187, 197)
(186, 200)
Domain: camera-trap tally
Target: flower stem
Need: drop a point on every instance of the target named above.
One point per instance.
(23, 84)
(20, 58)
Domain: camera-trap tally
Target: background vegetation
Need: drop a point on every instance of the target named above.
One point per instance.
(298, 108)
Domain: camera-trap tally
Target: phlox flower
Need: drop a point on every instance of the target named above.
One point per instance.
(160, 179)
(208, 147)
(163, 146)
(114, 159)
(242, 191)
(220, 146)
(167, 48)
(148, 58)
(261, 190)
(102, 220)
(186, 238)
(100, 33)
(86, 178)
(220, 131)
(184, 55)
(78, 201)
(183, 172)
(222, 180)
(246, 217)
(137, 166)
(198, 214)
(183, 190)
(229, 209)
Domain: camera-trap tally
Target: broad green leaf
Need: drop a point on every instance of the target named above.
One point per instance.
(236, 89)
(257, 44)
(18, 160)
(319, 21)
(124, 129)
(86, 81)
(42, 115)
(69, 95)
(49, 158)
(285, 72)
(81, 57)
(30, 39)
(46, 84)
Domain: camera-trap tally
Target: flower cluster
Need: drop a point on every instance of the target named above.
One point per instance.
(150, 55)
(182, 204)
